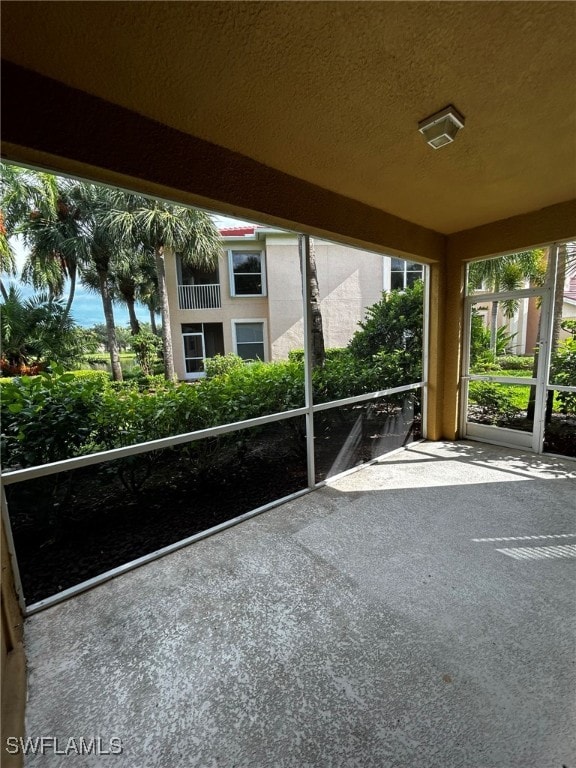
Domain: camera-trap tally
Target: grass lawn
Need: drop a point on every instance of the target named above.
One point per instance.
(104, 357)
(101, 361)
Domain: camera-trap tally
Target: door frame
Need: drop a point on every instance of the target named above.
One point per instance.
(510, 438)
(198, 374)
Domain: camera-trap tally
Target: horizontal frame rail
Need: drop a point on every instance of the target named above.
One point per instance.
(368, 396)
(523, 293)
(529, 381)
(19, 475)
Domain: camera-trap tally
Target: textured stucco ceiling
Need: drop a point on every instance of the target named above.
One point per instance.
(332, 92)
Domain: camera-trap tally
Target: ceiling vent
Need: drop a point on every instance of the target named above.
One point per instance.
(441, 129)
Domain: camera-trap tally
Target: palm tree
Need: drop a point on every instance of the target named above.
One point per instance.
(97, 247)
(127, 286)
(506, 273)
(36, 331)
(67, 234)
(158, 230)
(36, 206)
(128, 281)
(148, 292)
(7, 259)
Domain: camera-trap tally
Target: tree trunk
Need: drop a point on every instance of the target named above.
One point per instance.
(316, 327)
(169, 371)
(153, 325)
(73, 272)
(134, 323)
(110, 326)
(494, 329)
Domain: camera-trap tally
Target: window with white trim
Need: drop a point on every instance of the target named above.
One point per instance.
(400, 274)
(249, 340)
(247, 273)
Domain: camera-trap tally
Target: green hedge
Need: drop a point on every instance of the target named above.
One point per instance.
(53, 417)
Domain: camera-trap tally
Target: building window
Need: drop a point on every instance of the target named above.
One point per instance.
(249, 339)
(247, 273)
(399, 274)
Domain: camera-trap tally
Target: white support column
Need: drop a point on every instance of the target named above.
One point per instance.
(544, 351)
(425, 350)
(304, 244)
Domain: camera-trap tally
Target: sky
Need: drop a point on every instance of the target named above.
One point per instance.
(87, 306)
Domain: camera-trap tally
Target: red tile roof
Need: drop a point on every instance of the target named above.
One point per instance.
(237, 231)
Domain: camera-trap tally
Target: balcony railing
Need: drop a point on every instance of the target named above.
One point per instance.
(199, 296)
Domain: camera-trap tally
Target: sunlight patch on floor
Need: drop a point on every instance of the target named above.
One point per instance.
(539, 553)
(526, 538)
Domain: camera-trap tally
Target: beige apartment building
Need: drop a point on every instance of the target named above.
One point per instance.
(251, 305)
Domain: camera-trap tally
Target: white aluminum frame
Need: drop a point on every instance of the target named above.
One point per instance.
(510, 438)
(11, 477)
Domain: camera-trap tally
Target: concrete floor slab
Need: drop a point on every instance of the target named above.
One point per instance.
(381, 622)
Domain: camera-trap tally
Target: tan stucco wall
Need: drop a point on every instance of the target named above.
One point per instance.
(349, 280)
(333, 92)
(52, 125)
(541, 227)
(284, 295)
(449, 349)
(55, 125)
(233, 307)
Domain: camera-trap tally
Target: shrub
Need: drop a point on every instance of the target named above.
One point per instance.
(333, 353)
(515, 363)
(343, 375)
(132, 413)
(495, 403)
(395, 322)
(569, 325)
(222, 364)
(253, 389)
(103, 376)
(564, 373)
(393, 329)
(480, 351)
(479, 337)
(49, 417)
(146, 346)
